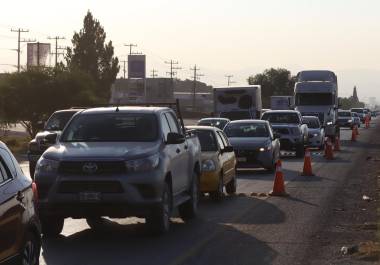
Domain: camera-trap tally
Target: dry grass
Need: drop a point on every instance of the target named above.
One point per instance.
(17, 144)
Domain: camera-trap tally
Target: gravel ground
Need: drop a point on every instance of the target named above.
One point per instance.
(352, 221)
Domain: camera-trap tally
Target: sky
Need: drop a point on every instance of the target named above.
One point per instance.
(240, 37)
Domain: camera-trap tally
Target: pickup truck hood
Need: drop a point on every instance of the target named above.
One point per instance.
(101, 150)
(249, 142)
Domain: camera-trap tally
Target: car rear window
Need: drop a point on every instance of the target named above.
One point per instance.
(344, 114)
(281, 117)
(207, 140)
(357, 110)
(112, 127)
(246, 130)
(311, 123)
(214, 123)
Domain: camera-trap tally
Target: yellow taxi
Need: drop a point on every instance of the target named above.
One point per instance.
(218, 162)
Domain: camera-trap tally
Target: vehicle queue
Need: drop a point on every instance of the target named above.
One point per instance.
(185, 162)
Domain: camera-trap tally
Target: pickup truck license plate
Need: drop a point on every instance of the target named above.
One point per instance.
(242, 159)
(90, 196)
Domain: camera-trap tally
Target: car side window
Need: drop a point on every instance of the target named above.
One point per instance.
(172, 123)
(4, 172)
(6, 157)
(220, 141)
(165, 126)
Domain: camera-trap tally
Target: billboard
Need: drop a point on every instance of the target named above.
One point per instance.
(37, 54)
(136, 66)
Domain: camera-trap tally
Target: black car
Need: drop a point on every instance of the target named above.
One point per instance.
(20, 231)
(54, 124)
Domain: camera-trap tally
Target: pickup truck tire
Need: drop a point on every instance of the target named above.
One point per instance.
(96, 223)
(159, 220)
(51, 225)
(218, 194)
(30, 253)
(32, 168)
(300, 151)
(189, 209)
(231, 186)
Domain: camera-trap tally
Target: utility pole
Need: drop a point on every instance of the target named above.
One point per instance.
(229, 77)
(154, 73)
(195, 77)
(124, 69)
(19, 40)
(172, 72)
(56, 38)
(130, 47)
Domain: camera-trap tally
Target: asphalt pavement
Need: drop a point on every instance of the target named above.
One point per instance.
(241, 230)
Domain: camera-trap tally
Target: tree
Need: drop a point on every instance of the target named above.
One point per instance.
(355, 95)
(274, 82)
(31, 96)
(91, 55)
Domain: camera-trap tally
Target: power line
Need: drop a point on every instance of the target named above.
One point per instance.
(172, 72)
(195, 77)
(56, 53)
(229, 82)
(19, 40)
(154, 73)
(130, 47)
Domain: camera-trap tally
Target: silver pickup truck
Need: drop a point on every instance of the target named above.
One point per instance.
(288, 124)
(119, 162)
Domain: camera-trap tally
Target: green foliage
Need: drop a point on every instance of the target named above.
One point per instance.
(91, 55)
(274, 82)
(31, 96)
(348, 103)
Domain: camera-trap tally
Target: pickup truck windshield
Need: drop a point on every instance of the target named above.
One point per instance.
(281, 117)
(311, 123)
(112, 127)
(344, 114)
(314, 99)
(207, 140)
(58, 120)
(246, 130)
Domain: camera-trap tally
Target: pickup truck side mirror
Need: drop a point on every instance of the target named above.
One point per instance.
(276, 135)
(50, 138)
(228, 149)
(175, 138)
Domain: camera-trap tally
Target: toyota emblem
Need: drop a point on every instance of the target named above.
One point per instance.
(90, 168)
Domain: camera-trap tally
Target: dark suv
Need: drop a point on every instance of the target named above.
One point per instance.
(54, 124)
(20, 240)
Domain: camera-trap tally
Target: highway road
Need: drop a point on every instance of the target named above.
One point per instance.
(241, 230)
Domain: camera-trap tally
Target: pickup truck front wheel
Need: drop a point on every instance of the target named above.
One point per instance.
(51, 225)
(300, 151)
(189, 209)
(159, 220)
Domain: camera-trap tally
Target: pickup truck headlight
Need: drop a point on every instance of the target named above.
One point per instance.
(316, 134)
(208, 165)
(143, 164)
(268, 147)
(349, 121)
(329, 123)
(47, 166)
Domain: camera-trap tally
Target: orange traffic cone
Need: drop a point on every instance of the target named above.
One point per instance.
(337, 144)
(278, 185)
(307, 171)
(366, 122)
(353, 135)
(329, 150)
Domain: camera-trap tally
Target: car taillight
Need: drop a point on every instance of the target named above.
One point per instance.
(35, 192)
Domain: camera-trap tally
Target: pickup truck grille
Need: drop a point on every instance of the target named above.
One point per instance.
(90, 186)
(92, 168)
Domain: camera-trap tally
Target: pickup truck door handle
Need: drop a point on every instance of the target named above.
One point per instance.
(20, 196)
(178, 151)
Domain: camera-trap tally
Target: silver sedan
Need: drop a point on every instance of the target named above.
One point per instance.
(254, 142)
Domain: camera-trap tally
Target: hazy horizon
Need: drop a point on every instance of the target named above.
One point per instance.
(222, 37)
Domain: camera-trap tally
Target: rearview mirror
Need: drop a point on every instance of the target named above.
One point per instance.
(175, 138)
(50, 138)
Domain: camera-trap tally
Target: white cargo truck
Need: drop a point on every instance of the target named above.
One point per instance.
(316, 94)
(281, 102)
(238, 103)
